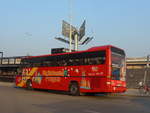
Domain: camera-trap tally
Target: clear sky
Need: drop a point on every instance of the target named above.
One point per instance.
(29, 26)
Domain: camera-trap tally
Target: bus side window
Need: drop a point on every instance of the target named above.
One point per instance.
(103, 60)
(62, 63)
(29, 64)
(36, 64)
(89, 61)
(45, 63)
(76, 62)
(70, 62)
(81, 61)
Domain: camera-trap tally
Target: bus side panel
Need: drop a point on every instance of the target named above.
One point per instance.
(90, 78)
(50, 78)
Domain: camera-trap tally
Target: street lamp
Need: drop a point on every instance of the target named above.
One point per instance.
(146, 69)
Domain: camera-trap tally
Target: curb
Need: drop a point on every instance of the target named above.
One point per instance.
(6, 84)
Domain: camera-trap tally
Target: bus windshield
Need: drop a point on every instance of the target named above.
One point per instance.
(118, 64)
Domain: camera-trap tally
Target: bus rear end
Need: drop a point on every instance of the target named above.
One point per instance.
(116, 81)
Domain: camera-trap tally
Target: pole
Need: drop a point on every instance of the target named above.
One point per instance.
(70, 40)
(146, 69)
(76, 42)
(70, 34)
(1, 56)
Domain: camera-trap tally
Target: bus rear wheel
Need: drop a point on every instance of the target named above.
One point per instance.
(74, 89)
(29, 85)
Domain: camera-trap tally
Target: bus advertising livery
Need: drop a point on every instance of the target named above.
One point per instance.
(96, 70)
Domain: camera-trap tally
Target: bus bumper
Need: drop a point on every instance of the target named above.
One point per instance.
(113, 89)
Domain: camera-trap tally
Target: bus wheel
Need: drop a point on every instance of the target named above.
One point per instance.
(29, 85)
(74, 89)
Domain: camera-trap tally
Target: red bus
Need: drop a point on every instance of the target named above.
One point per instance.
(96, 70)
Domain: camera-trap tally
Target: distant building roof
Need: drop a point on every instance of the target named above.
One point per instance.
(143, 59)
(10, 61)
(136, 63)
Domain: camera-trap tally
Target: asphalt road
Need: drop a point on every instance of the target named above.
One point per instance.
(18, 100)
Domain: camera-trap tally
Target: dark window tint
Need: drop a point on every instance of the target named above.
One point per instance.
(118, 51)
(85, 58)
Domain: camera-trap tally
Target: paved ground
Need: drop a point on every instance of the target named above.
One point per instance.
(132, 92)
(17, 100)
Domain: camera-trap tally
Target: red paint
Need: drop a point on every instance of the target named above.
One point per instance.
(94, 78)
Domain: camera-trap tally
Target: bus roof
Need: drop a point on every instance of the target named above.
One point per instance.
(96, 48)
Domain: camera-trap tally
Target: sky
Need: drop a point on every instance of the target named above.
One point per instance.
(28, 27)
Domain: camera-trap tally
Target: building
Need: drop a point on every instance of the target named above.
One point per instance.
(9, 67)
(137, 70)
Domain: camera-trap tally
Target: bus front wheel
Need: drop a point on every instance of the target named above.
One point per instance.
(74, 89)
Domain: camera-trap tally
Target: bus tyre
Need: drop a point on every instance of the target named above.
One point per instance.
(29, 85)
(74, 89)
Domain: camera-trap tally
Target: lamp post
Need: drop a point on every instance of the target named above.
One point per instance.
(146, 69)
(1, 56)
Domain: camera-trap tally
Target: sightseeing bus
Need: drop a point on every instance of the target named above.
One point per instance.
(99, 69)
